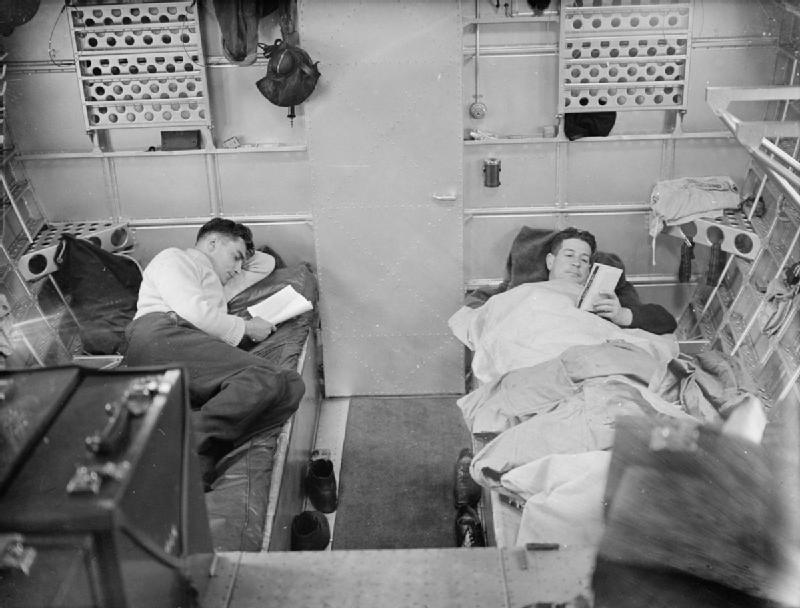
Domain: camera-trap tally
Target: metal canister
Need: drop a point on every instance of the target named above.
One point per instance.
(491, 172)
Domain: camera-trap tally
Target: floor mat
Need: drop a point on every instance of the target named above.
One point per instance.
(396, 479)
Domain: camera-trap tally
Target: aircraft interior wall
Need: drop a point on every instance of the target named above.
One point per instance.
(436, 132)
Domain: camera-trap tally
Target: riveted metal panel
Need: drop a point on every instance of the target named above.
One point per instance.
(612, 171)
(725, 66)
(261, 183)
(399, 291)
(240, 111)
(698, 157)
(488, 240)
(70, 188)
(527, 175)
(175, 186)
(514, 89)
(385, 150)
(396, 364)
(293, 241)
(45, 112)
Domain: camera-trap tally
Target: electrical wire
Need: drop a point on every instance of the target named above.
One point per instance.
(51, 52)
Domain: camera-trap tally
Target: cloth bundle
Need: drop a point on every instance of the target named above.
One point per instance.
(679, 201)
(778, 299)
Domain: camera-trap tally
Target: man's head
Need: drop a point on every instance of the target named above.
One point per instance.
(227, 244)
(570, 255)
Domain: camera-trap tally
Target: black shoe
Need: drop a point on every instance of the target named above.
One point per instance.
(320, 485)
(310, 531)
(465, 491)
(469, 531)
(208, 471)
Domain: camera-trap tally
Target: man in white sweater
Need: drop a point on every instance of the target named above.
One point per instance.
(182, 317)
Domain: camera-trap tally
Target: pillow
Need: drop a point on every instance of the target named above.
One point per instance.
(284, 346)
(526, 263)
(299, 276)
(102, 289)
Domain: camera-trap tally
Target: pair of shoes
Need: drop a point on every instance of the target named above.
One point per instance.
(310, 531)
(466, 492)
(320, 485)
(469, 531)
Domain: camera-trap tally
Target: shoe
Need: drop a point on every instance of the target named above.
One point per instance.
(469, 531)
(208, 471)
(310, 531)
(466, 492)
(320, 485)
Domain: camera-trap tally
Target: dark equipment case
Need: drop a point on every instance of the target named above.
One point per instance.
(99, 485)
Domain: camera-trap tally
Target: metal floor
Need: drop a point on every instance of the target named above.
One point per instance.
(480, 578)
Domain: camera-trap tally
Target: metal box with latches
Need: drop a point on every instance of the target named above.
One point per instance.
(101, 502)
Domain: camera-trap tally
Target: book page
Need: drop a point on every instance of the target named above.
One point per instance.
(602, 279)
(281, 306)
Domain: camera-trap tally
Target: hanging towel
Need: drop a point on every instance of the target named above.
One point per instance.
(238, 23)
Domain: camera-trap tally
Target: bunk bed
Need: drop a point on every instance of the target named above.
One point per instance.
(259, 487)
(747, 316)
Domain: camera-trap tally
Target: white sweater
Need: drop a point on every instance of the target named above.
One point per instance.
(183, 281)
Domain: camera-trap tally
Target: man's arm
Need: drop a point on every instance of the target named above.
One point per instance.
(650, 317)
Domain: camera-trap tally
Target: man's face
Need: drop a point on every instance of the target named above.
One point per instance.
(572, 261)
(227, 255)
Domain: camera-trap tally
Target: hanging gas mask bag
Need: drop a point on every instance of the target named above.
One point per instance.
(291, 75)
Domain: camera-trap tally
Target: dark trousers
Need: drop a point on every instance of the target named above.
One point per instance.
(238, 394)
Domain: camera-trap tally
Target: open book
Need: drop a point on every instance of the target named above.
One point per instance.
(602, 279)
(280, 306)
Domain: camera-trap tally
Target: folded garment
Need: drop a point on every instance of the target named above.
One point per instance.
(682, 200)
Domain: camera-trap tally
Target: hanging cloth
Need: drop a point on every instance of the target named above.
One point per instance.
(686, 199)
(238, 23)
(16, 12)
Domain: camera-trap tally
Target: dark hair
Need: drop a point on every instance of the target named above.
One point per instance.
(572, 233)
(230, 229)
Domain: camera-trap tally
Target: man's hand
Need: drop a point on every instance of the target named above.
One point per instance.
(258, 329)
(607, 306)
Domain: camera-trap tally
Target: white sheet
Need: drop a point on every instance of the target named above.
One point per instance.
(535, 322)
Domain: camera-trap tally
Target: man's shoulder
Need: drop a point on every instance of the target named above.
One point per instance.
(170, 257)
(171, 253)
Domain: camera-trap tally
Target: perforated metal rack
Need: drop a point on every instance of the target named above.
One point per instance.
(40, 257)
(624, 56)
(737, 314)
(140, 65)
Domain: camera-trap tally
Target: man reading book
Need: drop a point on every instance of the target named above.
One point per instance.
(182, 317)
(571, 255)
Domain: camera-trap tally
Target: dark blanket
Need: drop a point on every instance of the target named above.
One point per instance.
(102, 289)
(284, 346)
(237, 503)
